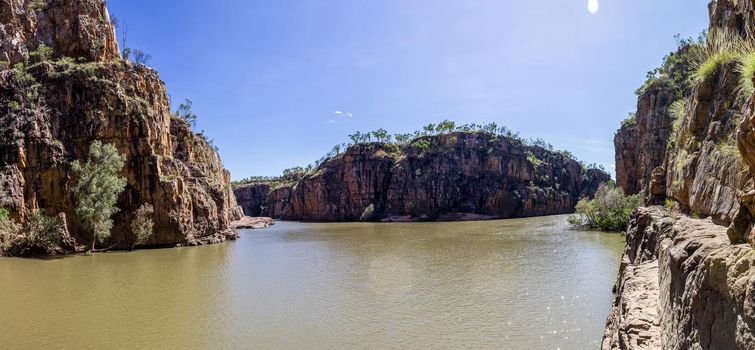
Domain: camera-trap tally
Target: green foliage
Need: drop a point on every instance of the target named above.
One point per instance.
(42, 53)
(14, 105)
(21, 75)
(678, 109)
(720, 48)
(98, 188)
(534, 160)
(631, 119)
(184, 112)
(42, 235)
(677, 67)
(747, 74)
(422, 144)
(402, 139)
(142, 225)
(609, 210)
(669, 204)
(678, 112)
(36, 5)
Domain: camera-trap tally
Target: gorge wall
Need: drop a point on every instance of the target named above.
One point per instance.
(53, 108)
(452, 176)
(686, 279)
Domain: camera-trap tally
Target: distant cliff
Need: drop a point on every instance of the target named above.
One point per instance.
(457, 175)
(56, 102)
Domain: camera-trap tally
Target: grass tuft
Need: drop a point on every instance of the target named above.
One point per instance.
(720, 48)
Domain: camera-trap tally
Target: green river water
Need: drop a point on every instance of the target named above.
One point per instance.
(511, 284)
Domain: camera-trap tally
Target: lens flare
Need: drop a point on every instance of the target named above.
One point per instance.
(592, 6)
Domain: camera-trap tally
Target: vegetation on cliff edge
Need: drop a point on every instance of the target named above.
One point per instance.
(417, 140)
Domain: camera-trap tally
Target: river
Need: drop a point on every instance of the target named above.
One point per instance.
(511, 284)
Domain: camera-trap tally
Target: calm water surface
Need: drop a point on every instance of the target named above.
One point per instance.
(514, 284)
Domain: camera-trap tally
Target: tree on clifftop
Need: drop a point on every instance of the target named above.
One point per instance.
(98, 188)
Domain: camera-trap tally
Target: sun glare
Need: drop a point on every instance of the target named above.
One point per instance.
(592, 6)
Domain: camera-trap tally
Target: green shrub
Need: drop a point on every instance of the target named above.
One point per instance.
(609, 210)
(678, 112)
(534, 160)
(42, 235)
(36, 5)
(42, 53)
(631, 119)
(747, 72)
(421, 144)
(142, 225)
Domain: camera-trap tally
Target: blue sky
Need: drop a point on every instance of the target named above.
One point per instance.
(267, 77)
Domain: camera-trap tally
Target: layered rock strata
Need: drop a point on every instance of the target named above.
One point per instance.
(445, 178)
(54, 107)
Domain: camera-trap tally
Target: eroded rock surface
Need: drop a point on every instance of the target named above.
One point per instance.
(702, 283)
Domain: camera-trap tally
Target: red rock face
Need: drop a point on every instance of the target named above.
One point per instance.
(53, 111)
(641, 147)
(73, 28)
(459, 173)
(696, 163)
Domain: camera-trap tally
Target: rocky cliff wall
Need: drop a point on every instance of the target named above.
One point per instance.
(688, 153)
(687, 283)
(682, 285)
(53, 109)
(641, 145)
(456, 174)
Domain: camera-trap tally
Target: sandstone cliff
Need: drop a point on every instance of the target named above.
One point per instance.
(455, 174)
(688, 283)
(52, 109)
(682, 285)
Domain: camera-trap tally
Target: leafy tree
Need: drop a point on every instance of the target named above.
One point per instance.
(381, 135)
(490, 127)
(184, 112)
(142, 225)
(402, 138)
(98, 188)
(356, 137)
(446, 126)
(429, 129)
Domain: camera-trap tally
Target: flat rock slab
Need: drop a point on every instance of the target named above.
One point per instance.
(634, 322)
(249, 222)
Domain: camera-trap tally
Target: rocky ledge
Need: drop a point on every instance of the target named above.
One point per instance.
(253, 223)
(682, 285)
